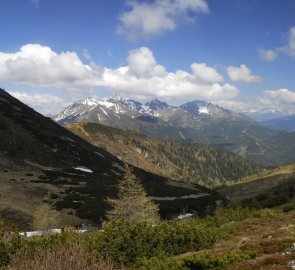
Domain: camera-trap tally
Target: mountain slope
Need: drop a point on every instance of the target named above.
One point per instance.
(198, 121)
(266, 189)
(78, 175)
(178, 160)
(284, 123)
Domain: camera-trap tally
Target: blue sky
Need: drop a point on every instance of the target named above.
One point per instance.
(236, 53)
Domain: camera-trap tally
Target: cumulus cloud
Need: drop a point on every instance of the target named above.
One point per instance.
(205, 74)
(148, 19)
(289, 48)
(278, 97)
(44, 103)
(39, 66)
(242, 74)
(279, 100)
(268, 55)
(35, 65)
(142, 63)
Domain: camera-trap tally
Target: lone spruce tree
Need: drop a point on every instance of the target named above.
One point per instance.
(132, 203)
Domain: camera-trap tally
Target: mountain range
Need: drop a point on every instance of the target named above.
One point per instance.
(195, 121)
(38, 156)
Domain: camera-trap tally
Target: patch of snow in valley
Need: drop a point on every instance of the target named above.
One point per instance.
(118, 166)
(101, 155)
(83, 169)
(183, 216)
(52, 231)
(115, 172)
(190, 196)
(40, 166)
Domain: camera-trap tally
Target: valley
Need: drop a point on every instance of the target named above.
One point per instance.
(182, 161)
(30, 141)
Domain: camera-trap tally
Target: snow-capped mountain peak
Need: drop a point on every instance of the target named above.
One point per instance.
(198, 107)
(157, 104)
(113, 110)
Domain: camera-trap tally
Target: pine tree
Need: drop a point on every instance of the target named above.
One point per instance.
(132, 203)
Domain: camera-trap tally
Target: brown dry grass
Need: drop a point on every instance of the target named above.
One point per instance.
(269, 237)
(19, 197)
(72, 257)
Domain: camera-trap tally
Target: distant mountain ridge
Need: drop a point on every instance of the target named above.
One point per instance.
(198, 121)
(282, 123)
(121, 106)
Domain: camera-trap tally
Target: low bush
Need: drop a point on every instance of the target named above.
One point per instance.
(10, 242)
(133, 242)
(289, 207)
(215, 261)
(73, 257)
(136, 244)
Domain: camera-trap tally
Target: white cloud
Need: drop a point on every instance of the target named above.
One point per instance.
(268, 55)
(280, 97)
(39, 66)
(145, 20)
(44, 103)
(242, 74)
(289, 48)
(280, 100)
(205, 74)
(145, 77)
(35, 65)
(142, 63)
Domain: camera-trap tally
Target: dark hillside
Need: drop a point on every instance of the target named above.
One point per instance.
(30, 140)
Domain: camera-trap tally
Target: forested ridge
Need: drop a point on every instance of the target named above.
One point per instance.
(183, 161)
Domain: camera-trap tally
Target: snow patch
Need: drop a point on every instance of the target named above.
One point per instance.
(115, 172)
(101, 155)
(190, 196)
(181, 135)
(52, 231)
(83, 169)
(204, 110)
(118, 166)
(183, 216)
(105, 113)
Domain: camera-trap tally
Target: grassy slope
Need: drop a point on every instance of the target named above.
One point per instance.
(182, 161)
(267, 188)
(20, 195)
(266, 237)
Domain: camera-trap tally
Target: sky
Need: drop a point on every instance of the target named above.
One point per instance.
(239, 54)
